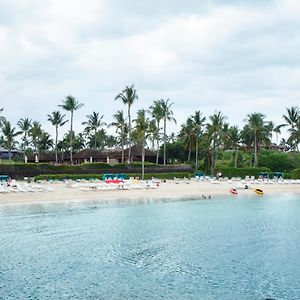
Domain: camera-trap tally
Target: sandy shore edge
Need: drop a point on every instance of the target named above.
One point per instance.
(167, 191)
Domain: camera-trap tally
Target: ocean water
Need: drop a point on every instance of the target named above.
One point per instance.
(223, 248)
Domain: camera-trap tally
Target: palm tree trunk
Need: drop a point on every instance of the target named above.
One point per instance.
(196, 154)
(56, 137)
(95, 145)
(71, 139)
(255, 151)
(143, 160)
(157, 153)
(189, 154)
(236, 158)
(212, 159)
(9, 153)
(122, 150)
(25, 144)
(129, 132)
(165, 138)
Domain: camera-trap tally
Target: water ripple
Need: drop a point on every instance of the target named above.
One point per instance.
(219, 249)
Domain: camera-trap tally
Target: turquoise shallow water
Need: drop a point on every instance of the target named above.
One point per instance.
(224, 248)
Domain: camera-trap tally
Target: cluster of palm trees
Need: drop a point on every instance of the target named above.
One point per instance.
(202, 136)
(146, 126)
(214, 134)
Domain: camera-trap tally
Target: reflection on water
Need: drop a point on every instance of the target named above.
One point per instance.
(224, 248)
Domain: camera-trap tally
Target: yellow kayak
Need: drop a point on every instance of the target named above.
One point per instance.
(259, 191)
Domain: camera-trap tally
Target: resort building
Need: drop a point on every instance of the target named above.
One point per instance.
(113, 156)
(15, 154)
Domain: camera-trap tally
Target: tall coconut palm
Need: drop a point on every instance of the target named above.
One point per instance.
(9, 135)
(256, 132)
(141, 132)
(57, 120)
(93, 124)
(71, 104)
(121, 128)
(157, 113)
(25, 125)
(128, 97)
(215, 129)
(292, 118)
(167, 114)
(197, 124)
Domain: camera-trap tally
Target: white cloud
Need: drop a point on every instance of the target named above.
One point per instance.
(236, 58)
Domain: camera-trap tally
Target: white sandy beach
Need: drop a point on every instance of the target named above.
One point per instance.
(166, 190)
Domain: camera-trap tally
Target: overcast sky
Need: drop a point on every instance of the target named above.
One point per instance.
(237, 56)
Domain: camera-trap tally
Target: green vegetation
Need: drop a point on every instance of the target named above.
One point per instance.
(242, 172)
(20, 170)
(207, 143)
(99, 176)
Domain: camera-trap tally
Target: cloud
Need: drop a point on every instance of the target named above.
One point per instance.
(237, 57)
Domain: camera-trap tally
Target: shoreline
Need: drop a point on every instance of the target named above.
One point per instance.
(166, 191)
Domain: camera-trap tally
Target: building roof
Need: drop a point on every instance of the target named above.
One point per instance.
(5, 150)
(113, 153)
(87, 153)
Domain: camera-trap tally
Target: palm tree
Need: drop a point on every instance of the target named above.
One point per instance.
(97, 140)
(9, 134)
(62, 147)
(294, 138)
(141, 133)
(234, 138)
(215, 129)
(187, 135)
(167, 114)
(153, 135)
(57, 120)
(256, 132)
(121, 128)
(2, 119)
(128, 96)
(93, 123)
(78, 140)
(71, 104)
(25, 125)
(157, 113)
(275, 128)
(292, 118)
(45, 141)
(35, 133)
(197, 124)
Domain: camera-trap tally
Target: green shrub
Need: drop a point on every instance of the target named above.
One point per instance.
(288, 175)
(99, 176)
(276, 161)
(241, 172)
(296, 173)
(67, 176)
